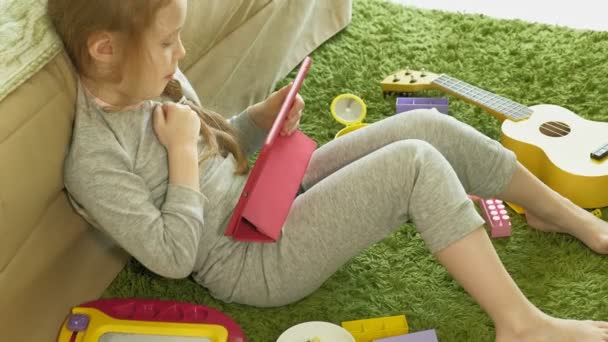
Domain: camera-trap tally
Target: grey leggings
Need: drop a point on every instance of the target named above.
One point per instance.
(360, 188)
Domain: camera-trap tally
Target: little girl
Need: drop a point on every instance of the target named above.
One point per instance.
(161, 176)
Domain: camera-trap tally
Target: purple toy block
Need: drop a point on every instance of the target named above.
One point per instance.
(421, 336)
(404, 104)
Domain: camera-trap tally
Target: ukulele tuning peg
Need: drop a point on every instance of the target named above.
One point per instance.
(396, 78)
(422, 72)
(413, 80)
(407, 71)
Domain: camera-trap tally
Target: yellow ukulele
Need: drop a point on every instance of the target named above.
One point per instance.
(565, 151)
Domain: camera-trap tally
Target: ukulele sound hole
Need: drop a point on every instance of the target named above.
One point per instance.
(555, 129)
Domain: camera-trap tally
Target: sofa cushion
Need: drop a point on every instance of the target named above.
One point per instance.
(244, 67)
(61, 264)
(209, 22)
(50, 259)
(34, 133)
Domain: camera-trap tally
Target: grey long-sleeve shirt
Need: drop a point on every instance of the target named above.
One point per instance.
(116, 173)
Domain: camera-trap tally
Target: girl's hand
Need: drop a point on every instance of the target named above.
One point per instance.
(264, 113)
(176, 125)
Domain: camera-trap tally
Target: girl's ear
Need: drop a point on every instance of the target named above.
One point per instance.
(102, 46)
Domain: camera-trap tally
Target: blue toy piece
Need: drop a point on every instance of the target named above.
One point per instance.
(421, 336)
(404, 104)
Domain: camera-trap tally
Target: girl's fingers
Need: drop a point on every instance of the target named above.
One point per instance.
(291, 126)
(283, 91)
(159, 117)
(299, 104)
(294, 128)
(287, 127)
(287, 124)
(293, 118)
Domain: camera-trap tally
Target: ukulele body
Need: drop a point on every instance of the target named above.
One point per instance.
(555, 145)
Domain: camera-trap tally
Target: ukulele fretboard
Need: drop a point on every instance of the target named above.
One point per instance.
(511, 109)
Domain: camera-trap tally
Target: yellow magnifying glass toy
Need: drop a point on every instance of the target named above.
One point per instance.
(349, 110)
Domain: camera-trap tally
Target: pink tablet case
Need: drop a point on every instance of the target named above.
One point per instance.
(275, 178)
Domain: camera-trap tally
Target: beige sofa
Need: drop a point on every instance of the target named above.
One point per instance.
(50, 259)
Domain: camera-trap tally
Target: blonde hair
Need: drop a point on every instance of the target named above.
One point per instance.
(76, 20)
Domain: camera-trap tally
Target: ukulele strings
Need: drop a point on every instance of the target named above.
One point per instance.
(560, 128)
(466, 90)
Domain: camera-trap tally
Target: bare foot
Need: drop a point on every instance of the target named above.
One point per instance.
(591, 230)
(551, 329)
(544, 226)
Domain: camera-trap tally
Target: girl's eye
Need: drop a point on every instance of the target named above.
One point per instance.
(166, 45)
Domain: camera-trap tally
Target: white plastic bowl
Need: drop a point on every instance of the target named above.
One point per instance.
(326, 332)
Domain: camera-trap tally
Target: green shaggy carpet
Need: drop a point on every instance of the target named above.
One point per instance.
(529, 63)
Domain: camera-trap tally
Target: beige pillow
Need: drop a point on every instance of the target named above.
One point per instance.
(210, 21)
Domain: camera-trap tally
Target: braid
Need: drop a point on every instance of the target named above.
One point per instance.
(215, 129)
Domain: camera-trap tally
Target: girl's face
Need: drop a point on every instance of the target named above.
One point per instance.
(163, 46)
